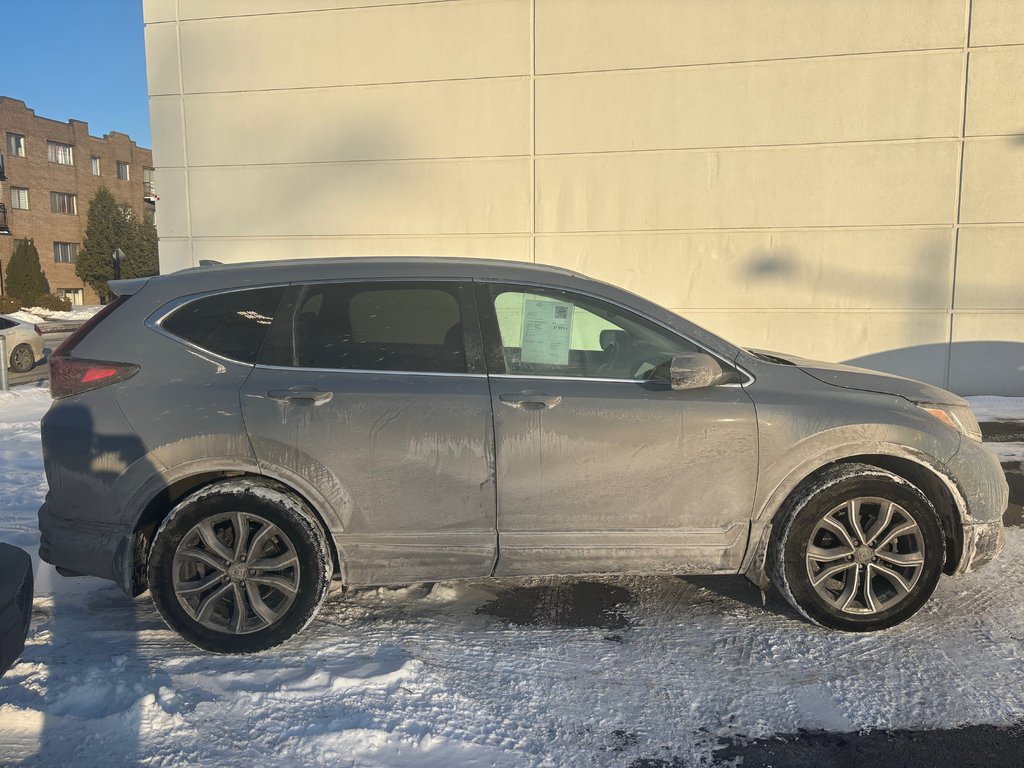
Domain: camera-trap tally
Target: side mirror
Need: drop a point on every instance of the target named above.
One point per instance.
(696, 370)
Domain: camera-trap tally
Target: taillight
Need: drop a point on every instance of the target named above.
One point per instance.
(36, 329)
(74, 375)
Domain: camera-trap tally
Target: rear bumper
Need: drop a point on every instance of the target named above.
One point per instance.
(89, 549)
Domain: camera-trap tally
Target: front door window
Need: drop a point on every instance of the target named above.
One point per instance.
(556, 333)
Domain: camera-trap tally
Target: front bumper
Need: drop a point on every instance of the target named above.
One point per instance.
(981, 483)
(982, 543)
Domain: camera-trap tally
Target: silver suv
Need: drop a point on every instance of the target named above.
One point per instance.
(235, 437)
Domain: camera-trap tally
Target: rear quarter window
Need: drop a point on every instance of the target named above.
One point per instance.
(232, 324)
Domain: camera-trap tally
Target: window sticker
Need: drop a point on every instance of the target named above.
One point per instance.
(547, 331)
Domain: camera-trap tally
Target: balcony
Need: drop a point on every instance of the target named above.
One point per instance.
(5, 228)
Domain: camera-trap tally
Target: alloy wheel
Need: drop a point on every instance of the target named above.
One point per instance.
(236, 573)
(865, 556)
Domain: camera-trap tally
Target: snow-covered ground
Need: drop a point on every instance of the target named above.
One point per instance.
(40, 315)
(422, 676)
(991, 408)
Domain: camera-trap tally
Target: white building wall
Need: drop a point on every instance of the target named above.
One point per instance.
(842, 180)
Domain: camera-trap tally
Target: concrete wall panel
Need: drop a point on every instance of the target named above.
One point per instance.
(175, 254)
(784, 102)
(986, 356)
(424, 41)
(996, 91)
(428, 197)
(172, 210)
(993, 185)
(156, 11)
(988, 264)
(162, 59)
(583, 35)
(912, 344)
(462, 118)
(997, 22)
(233, 249)
(167, 131)
(804, 186)
(212, 9)
(820, 269)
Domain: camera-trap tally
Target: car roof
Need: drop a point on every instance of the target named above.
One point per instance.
(216, 276)
(462, 266)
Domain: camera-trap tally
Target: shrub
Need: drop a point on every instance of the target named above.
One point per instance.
(25, 279)
(9, 304)
(52, 302)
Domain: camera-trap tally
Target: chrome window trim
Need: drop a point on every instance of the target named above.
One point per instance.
(372, 371)
(155, 320)
(717, 355)
(594, 378)
(155, 323)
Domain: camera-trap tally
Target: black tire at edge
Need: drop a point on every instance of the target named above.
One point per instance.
(289, 514)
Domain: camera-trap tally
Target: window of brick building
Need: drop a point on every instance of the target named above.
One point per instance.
(95, 165)
(65, 253)
(19, 198)
(74, 294)
(15, 145)
(63, 202)
(62, 154)
(123, 171)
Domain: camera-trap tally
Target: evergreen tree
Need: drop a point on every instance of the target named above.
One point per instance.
(25, 279)
(102, 236)
(140, 248)
(114, 225)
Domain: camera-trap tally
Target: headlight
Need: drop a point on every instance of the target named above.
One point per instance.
(959, 417)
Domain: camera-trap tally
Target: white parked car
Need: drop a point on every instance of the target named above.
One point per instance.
(24, 343)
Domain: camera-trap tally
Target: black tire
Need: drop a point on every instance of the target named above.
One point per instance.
(801, 518)
(23, 359)
(257, 500)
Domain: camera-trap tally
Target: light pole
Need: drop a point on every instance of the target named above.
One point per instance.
(117, 257)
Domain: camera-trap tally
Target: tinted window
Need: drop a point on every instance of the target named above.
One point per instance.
(372, 326)
(230, 324)
(5, 323)
(557, 333)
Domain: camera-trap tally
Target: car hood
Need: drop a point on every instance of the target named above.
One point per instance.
(851, 377)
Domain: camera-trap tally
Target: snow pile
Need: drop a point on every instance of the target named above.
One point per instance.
(994, 408)
(40, 315)
(426, 676)
(1008, 410)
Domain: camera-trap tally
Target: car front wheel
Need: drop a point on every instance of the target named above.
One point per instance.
(857, 549)
(239, 566)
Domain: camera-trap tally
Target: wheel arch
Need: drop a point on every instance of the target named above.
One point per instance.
(919, 469)
(156, 505)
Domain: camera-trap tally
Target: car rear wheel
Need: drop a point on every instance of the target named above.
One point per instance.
(22, 358)
(857, 549)
(239, 566)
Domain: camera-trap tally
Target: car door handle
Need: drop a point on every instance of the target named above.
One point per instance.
(531, 401)
(318, 397)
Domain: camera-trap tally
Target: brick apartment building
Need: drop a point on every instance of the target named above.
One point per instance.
(52, 170)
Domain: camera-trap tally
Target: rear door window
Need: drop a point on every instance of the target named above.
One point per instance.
(413, 327)
(232, 324)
